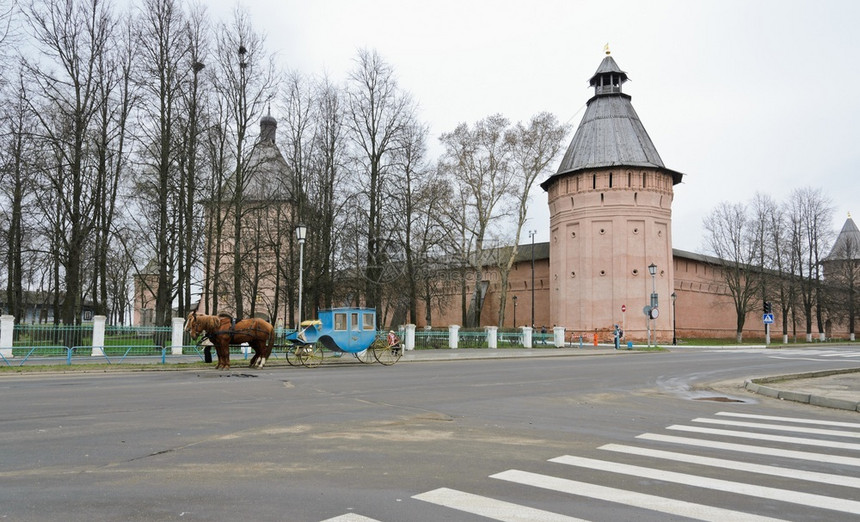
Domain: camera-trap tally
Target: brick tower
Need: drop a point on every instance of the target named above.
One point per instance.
(610, 208)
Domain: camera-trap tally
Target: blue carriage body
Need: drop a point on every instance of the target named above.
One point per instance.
(350, 330)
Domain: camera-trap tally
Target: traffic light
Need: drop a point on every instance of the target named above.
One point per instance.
(767, 307)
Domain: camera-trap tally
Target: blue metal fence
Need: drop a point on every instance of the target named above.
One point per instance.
(59, 344)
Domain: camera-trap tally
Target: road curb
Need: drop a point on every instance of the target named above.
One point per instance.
(758, 386)
(469, 354)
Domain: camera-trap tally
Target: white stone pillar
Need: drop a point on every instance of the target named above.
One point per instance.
(177, 334)
(493, 336)
(99, 336)
(527, 336)
(409, 343)
(558, 336)
(7, 328)
(453, 336)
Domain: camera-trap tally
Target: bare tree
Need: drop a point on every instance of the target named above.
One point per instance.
(429, 226)
(117, 95)
(217, 203)
(782, 283)
(246, 80)
(731, 237)
(72, 37)
(298, 124)
(190, 157)
(416, 203)
(478, 161)
(811, 214)
(325, 202)
(533, 149)
(16, 173)
(378, 113)
(163, 69)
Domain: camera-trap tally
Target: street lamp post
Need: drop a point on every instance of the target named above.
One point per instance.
(301, 234)
(652, 269)
(674, 331)
(532, 235)
(515, 311)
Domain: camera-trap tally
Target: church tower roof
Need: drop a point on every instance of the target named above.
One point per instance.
(610, 133)
(266, 168)
(847, 243)
(268, 128)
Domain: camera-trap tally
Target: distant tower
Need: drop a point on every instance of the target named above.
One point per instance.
(610, 208)
(842, 274)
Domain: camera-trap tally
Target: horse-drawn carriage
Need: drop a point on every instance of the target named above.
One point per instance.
(342, 330)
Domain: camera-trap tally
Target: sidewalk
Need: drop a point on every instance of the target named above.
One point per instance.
(838, 389)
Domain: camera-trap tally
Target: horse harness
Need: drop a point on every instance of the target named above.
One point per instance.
(232, 332)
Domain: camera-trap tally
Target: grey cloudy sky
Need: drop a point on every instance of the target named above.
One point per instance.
(740, 96)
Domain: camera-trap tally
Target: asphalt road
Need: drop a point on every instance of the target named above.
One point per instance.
(359, 442)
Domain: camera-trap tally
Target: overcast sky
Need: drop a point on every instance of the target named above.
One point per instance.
(740, 96)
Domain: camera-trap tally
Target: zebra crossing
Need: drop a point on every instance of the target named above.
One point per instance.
(806, 354)
(689, 455)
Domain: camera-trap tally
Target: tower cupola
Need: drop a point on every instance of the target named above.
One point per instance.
(608, 78)
(268, 127)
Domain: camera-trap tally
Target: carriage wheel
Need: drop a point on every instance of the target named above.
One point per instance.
(385, 353)
(311, 355)
(293, 355)
(366, 356)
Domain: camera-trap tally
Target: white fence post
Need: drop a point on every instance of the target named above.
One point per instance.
(7, 328)
(527, 336)
(558, 336)
(99, 336)
(453, 336)
(409, 344)
(493, 336)
(177, 336)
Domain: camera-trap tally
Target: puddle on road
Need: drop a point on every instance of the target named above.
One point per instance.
(682, 387)
(718, 399)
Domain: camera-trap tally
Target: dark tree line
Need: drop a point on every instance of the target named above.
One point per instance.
(133, 157)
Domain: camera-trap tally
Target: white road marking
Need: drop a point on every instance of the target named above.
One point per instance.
(812, 476)
(764, 436)
(758, 450)
(490, 507)
(790, 419)
(753, 490)
(779, 427)
(630, 498)
(350, 517)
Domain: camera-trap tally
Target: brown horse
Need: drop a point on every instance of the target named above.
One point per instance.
(220, 329)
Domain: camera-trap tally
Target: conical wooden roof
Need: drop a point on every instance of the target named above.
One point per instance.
(610, 133)
(847, 244)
